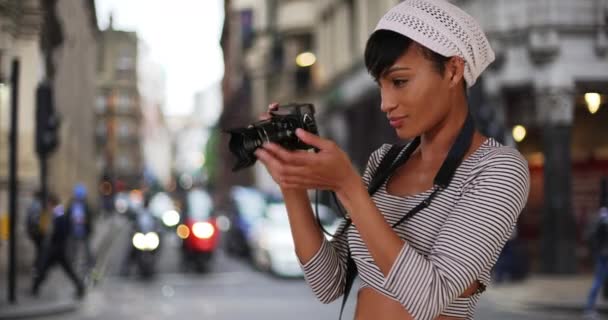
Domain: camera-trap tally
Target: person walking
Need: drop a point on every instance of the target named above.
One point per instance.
(54, 248)
(37, 225)
(81, 218)
(597, 236)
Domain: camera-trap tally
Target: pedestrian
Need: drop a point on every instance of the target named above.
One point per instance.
(597, 237)
(444, 204)
(37, 225)
(55, 249)
(81, 217)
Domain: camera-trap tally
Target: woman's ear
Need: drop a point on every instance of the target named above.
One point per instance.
(455, 70)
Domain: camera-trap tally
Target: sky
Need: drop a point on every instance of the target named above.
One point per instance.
(181, 35)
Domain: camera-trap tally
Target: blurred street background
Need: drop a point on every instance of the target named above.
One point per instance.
(119, 109)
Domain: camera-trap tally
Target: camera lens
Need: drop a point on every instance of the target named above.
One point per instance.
(243, 143)
(280, 128)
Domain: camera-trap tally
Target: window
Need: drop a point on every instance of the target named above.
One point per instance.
(101, 103)
(125, 61)
(101, 163)
(247, 33)
(101, 129)
(124, 162)
(124, 128)
(125, 64)
(123, 101)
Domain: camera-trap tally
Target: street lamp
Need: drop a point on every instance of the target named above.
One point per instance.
(519, 133)
(306, 59)
(593, 100)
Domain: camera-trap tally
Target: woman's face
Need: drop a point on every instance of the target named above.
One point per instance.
(415, 96)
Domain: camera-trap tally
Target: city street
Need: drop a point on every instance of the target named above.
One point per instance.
(232, 289)
(137, 130)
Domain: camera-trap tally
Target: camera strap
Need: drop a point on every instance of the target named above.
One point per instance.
(389, 163)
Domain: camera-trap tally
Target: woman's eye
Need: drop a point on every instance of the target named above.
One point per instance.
(399, 82)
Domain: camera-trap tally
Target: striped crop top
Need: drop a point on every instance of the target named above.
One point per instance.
(449, 245)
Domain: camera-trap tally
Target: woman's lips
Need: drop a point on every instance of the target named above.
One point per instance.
(397, 122)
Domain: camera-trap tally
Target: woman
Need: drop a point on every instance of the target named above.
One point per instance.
(423, 55)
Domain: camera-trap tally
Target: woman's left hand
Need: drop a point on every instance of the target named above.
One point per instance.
(328, 169)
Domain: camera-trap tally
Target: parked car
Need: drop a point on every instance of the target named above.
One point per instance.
(248, 205)
(272, 244)
(198, 230)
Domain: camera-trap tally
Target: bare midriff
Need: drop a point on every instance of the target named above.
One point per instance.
(372, 305)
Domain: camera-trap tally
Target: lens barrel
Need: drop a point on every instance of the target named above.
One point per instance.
(280, 129)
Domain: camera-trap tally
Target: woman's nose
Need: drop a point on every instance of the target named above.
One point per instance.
(386, 105)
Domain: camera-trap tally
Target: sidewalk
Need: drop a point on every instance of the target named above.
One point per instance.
(555, 294)
(57, 294)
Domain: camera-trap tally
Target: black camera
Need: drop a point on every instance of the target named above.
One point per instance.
(280, 129)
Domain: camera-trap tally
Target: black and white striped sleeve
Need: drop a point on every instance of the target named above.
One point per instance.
(469, 241)
(325, 272)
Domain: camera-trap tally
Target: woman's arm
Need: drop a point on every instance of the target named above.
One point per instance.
(323, 262)
(380, 239)
(307, 236)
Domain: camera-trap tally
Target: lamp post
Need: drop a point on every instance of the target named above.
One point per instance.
(12, 267)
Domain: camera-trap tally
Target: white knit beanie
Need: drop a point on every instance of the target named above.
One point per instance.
(443, 28)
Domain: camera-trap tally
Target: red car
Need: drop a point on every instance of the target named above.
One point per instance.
(198, 231)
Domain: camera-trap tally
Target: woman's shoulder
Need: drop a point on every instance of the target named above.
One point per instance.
(494, 152)
(494, 158)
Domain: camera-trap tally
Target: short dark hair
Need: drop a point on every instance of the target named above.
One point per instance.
(384, 47)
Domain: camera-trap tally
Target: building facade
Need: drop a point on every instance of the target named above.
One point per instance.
(547, 63)
(155, 136)
(19, 40)
(54, 42)
(74, 84)
(119, 114)
(236, 88)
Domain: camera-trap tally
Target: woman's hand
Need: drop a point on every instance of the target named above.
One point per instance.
(271, 107)
(328, 169)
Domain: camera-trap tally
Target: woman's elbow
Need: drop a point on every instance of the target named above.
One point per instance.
(328, 296)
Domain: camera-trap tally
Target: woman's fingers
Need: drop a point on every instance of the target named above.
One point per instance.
(271, 107)
(290, 157)
(267, 159)
(302, 169)
(303, 183)
(313, 139)
(285, 173)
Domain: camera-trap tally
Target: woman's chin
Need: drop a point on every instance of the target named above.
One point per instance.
(405, 134)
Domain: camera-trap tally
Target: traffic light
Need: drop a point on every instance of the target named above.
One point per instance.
(47, 121)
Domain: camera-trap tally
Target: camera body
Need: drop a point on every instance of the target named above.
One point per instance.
(280, 129)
